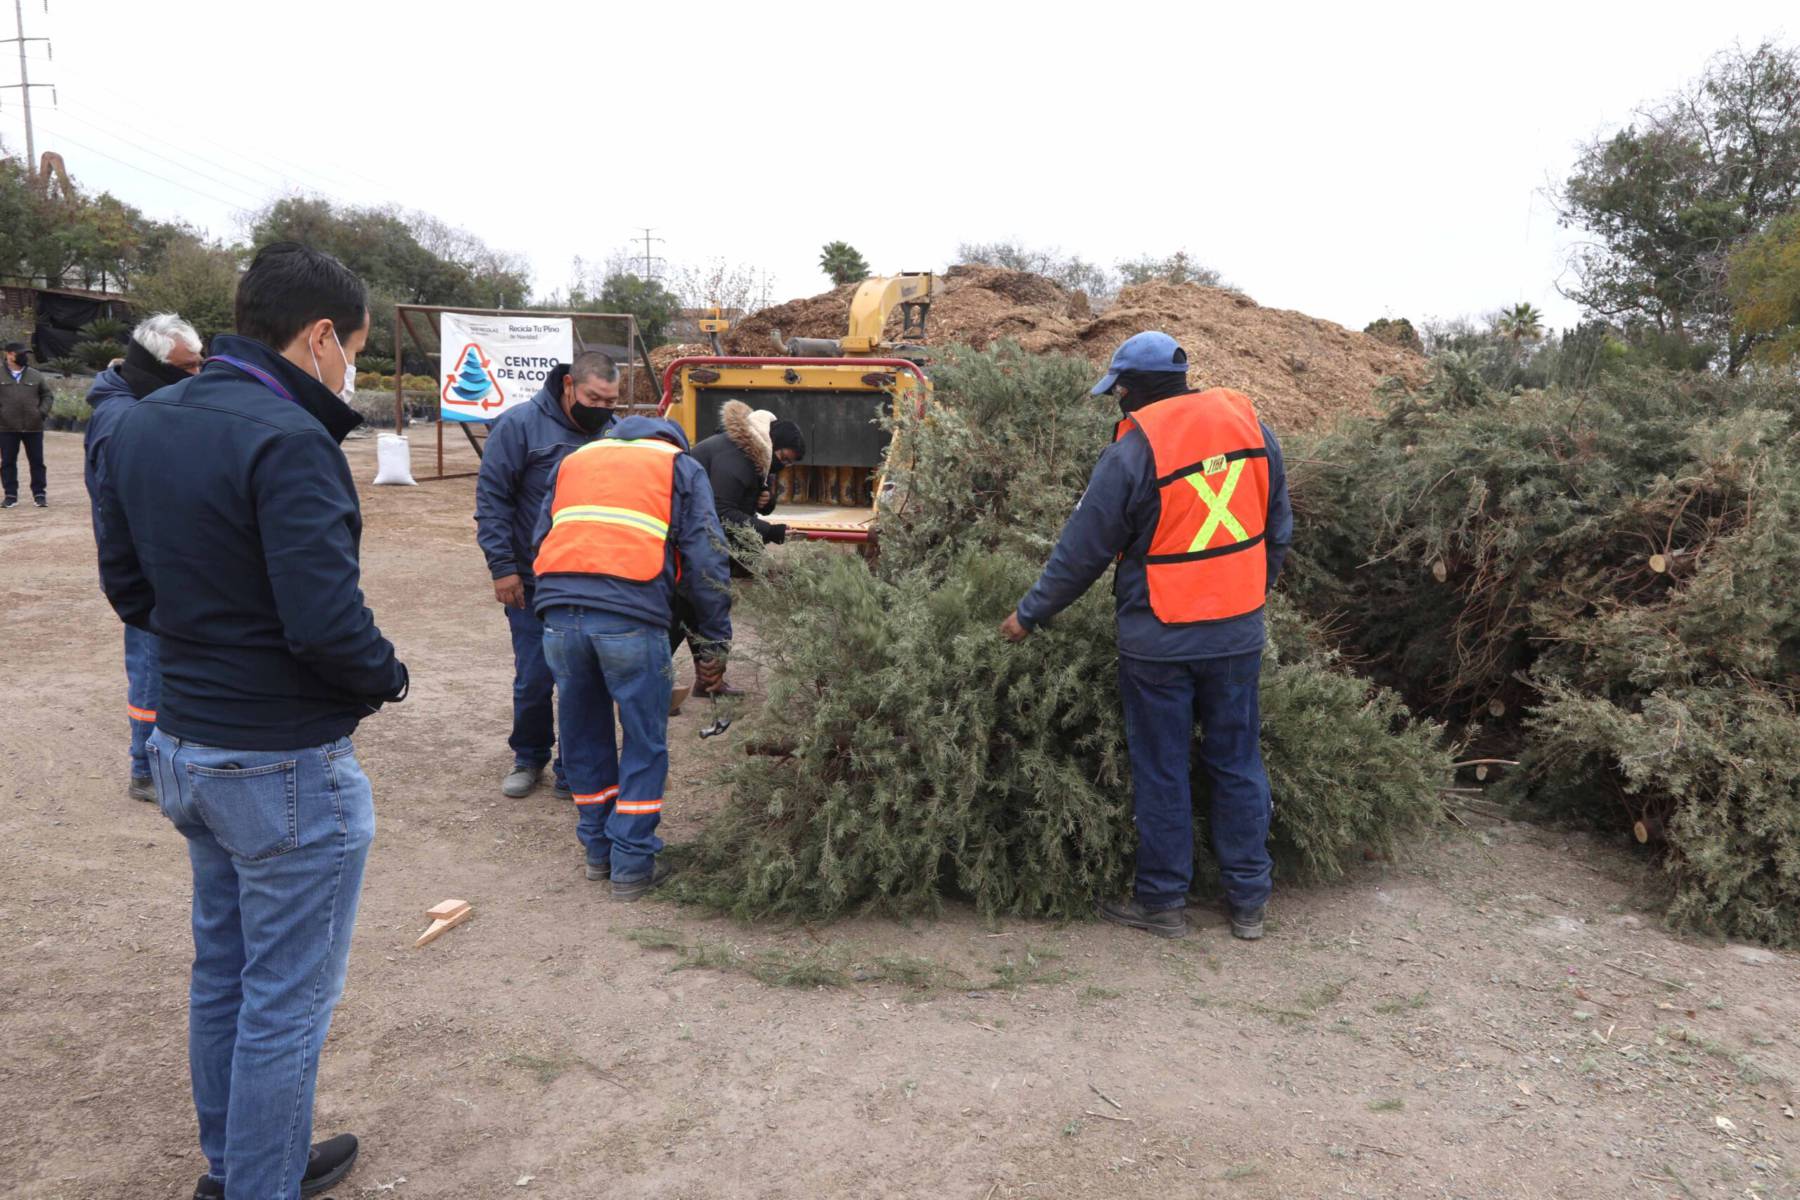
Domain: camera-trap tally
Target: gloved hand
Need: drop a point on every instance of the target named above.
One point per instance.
(778, 534)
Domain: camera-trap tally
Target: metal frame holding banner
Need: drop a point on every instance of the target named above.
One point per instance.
(501, 384)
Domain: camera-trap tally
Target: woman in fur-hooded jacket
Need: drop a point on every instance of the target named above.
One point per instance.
(740, 461)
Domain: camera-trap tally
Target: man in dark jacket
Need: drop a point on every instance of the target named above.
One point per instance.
(629, 523)
(25, 403)
(164, 350)
(524, 447)
(741, 462)
(229, 526)
(1191, 500)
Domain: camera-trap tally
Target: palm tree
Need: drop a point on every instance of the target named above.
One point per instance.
(842, 263)
(1520, 323)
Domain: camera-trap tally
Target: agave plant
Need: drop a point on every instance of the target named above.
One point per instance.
(106, 329)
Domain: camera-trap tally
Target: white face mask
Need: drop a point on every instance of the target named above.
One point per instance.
(347, 390)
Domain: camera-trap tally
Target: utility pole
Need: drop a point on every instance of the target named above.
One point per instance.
(25, 85)
(649, 258)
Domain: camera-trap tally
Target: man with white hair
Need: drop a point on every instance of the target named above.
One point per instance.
(164, 349)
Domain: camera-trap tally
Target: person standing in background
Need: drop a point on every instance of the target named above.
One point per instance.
(25, 404)
(164, 350)
(524, 447)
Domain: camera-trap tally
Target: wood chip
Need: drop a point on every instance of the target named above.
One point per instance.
(456, 912)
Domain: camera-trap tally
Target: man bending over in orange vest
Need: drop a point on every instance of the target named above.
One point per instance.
(1191, 500)
(628, 520)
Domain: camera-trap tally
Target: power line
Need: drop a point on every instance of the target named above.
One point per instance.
(337, 188)
(165, 158)
(234, 205)
(264, 184)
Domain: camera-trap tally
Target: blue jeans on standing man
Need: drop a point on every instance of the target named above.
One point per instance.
(601, 658)
(143, 692)
(277, 841)
(1162, 701)
(534, 702)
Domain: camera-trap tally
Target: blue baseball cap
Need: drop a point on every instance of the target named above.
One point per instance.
(1148, 351)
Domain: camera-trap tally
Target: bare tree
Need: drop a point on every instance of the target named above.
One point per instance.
(734, 288)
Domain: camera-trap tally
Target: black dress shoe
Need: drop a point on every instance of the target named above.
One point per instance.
(328, 1163)
(326, 1166)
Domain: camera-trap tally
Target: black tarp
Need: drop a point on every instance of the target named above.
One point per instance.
(60, 318)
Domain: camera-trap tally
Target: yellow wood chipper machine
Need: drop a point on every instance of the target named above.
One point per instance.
(836, 389)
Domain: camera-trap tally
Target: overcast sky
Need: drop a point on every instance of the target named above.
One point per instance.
(1350, 162)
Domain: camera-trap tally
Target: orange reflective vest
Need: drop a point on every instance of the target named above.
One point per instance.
(1212, 474)
(610, 513)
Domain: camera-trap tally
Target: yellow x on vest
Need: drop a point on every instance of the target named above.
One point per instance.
(1216, 505)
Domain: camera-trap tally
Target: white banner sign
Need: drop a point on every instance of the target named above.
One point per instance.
(491, 364)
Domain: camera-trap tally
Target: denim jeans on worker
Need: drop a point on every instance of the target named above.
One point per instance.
(1162, 701)
(534, 702)
(277, 841)
(143, 692)
(601, 659)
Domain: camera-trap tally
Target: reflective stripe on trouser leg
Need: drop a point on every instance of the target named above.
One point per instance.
(143, 692)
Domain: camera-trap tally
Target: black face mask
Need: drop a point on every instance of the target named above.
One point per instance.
(590, 420)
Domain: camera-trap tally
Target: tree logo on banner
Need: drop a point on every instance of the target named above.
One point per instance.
(472, 384)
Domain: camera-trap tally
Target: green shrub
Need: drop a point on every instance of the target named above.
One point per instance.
(71, 407)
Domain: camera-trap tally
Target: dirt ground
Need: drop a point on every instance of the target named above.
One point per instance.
(1491, 1017)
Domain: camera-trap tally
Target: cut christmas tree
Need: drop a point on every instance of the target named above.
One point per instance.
(1604, 578)
(907, 755)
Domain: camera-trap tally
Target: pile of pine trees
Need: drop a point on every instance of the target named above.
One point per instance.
(1606, 578)
(907, 754)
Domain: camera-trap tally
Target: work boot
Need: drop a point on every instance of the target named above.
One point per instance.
(1167, 922)
(598, 871)
(1247, 923)
(519, 781)
(635, 890)
(562, 792)
(326, 1165)
(142, 787)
